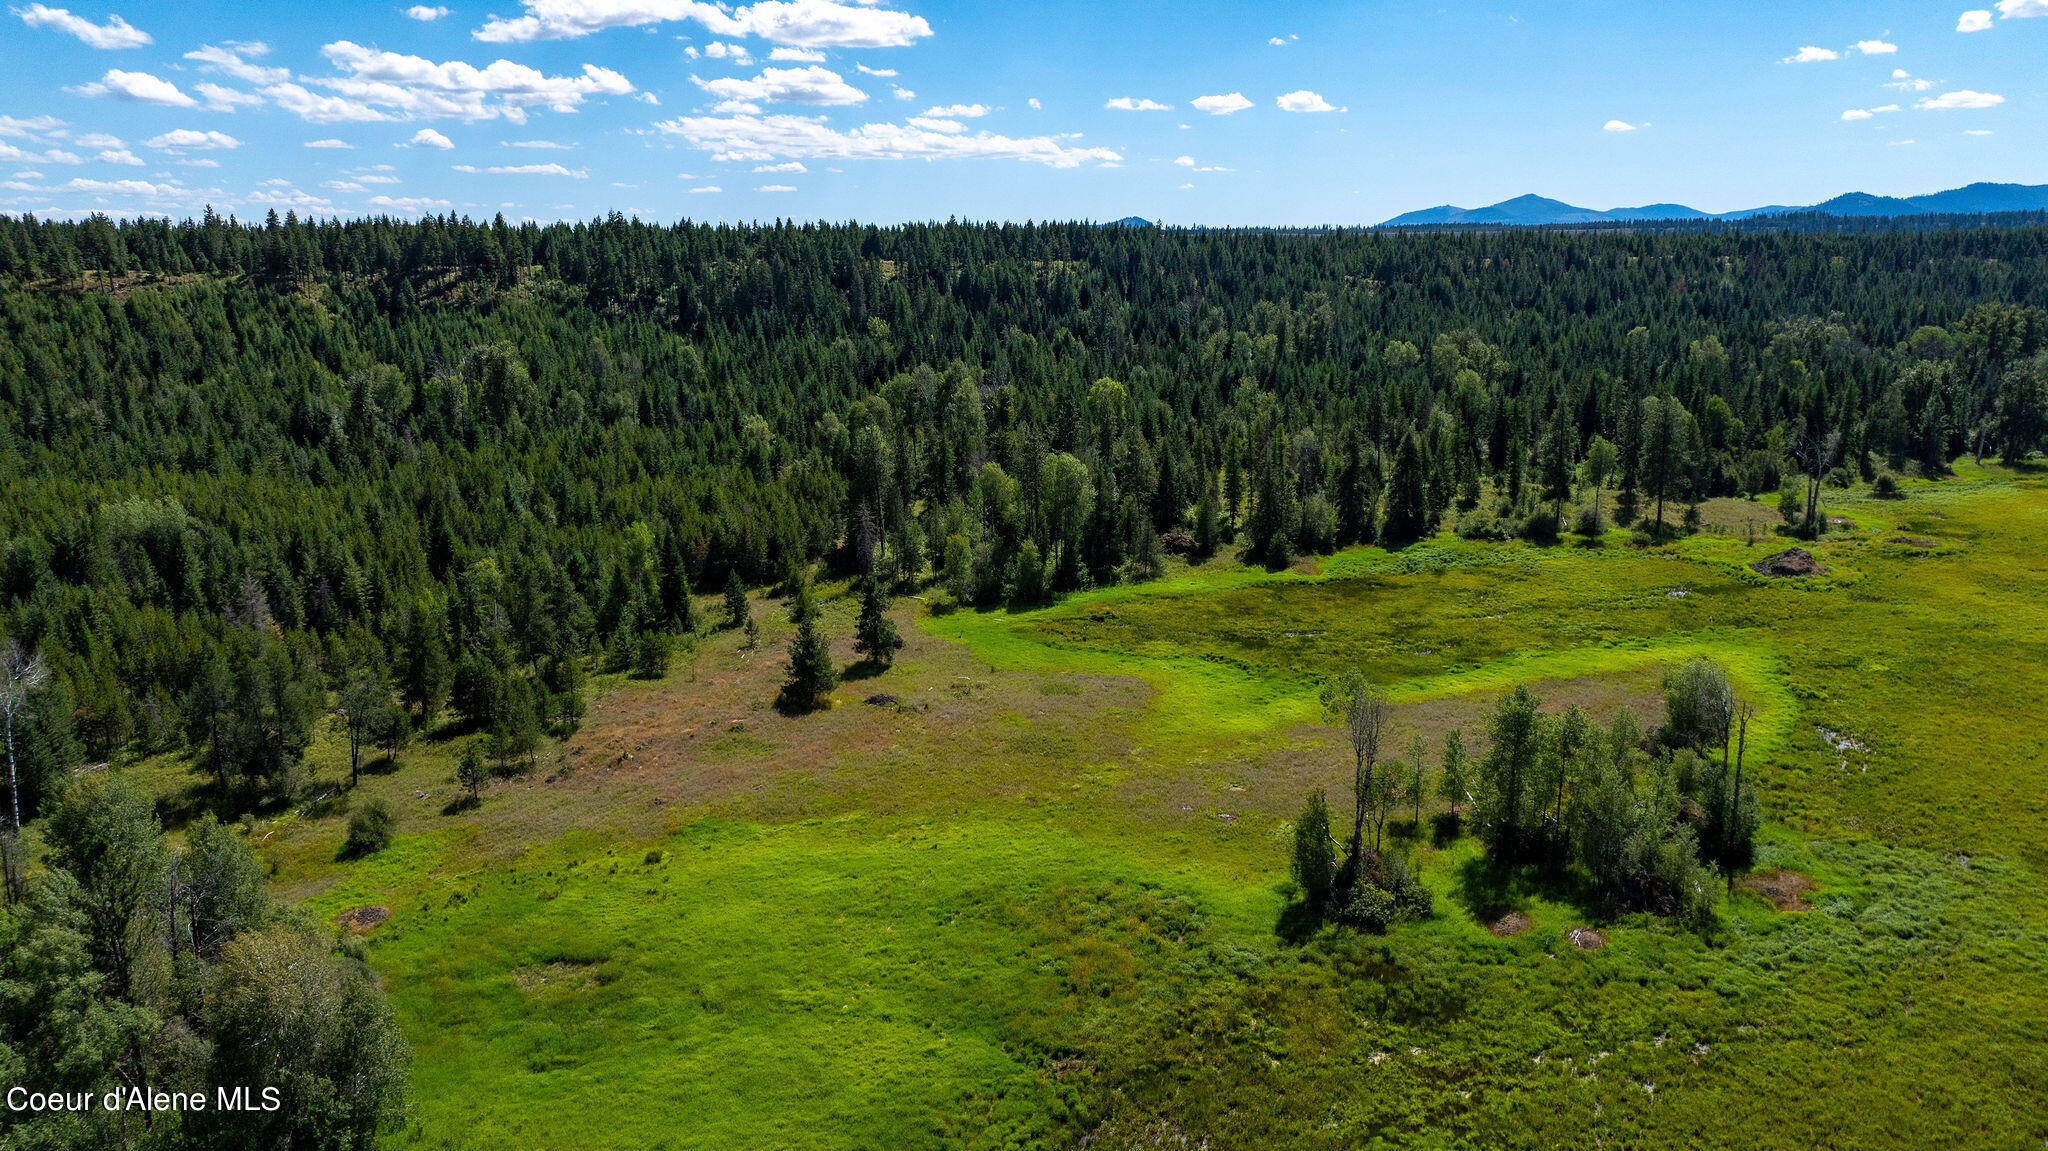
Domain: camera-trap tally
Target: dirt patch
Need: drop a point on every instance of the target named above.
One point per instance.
(361, 919)
(1784, 890)
(564, 976)
(1586, 939)
(1791, 563)
(1509, 925)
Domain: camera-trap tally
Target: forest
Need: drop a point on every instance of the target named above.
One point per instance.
(382, 481)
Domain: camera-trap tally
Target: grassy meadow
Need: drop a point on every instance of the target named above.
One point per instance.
(1024, 886)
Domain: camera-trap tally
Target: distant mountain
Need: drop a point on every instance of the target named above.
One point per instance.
(1529, 211)
(1133, 222)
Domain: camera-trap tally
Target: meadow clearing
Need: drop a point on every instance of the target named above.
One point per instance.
(1024, 885)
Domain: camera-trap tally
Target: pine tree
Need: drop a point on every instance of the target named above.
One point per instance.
(473, 771)
(811, 674)
(736, 610)
(1407, 499)
(874, 636)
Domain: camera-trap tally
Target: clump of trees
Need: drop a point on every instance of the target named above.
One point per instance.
(1647, 819)
(127, 964)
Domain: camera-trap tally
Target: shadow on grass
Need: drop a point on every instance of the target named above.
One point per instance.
(864, 669)
(462, 803)
(1491, 889)
(1298, 922)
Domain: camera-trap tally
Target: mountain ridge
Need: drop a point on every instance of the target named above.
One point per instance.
(1535, 211)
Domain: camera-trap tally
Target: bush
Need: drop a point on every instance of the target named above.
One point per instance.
(650, 655)
(1372, 908)
(1886, 487)
(1589, 523)
(369, 829)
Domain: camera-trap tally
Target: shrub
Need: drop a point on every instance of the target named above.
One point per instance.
(369, 829)
(1589, 523)
(1886, 487)
(1372, 908)
(650, 655)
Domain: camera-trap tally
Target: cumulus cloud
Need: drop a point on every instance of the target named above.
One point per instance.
(141, 188)
(761, 139)
(330, 143)
(1811, 55)
(1905, 81)
(1033, 102)
(1875, 47)
(119, 156)
(546, 145)
(706, 190)
(1304, 101)
(532, 170)
(775, 188)
(809, 85)
(2021, 9)
(192, 140)
(800, 55)
(1137, 104)
(720, 50)
(884, 73)
(1222, 105)
(902, 93)
(1621, 126)
(140, 87)
(233, 60)
(428, 138)
(115, 33)
(1960, 98)
(1857, 114)
(1976, 131)
(219, 99)
(791, 166)
(409, 204)
(423, 13)
(798, 23)
(413, 86)
(1975, 20)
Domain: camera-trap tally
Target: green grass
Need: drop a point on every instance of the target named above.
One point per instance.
(1034, 902)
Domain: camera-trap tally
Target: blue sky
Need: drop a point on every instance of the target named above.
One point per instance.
(892, 110)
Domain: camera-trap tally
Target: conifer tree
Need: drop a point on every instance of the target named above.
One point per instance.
(811, 674)
(874, 636)
(736, 610)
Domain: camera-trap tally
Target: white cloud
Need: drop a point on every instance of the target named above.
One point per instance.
(123, 188)
(197, 162)
(2020, 9)
(1905, 81)
(423, 13)
(1976, 131)
(1222, 105)
(1900, 143)
(119, 156)
(189, 139)
(884, 73)
(1975, 20)
(960, 111)
(330, 143)
(801, 23)
(1184, 161)
(115, 33)
(775, 188)
(33, 126)
(760, 139)
(14, 155)
(342, 186)
(1960, 98)
(1856, 114)
(289, 197)
(1278, 42)
(720, 50)
(1304, 101)
(1033, 102)
(1137, 104)
(547, 145)
(1185, 187)
(411, 204)
(140, 87)
(317, 109)
(413, 86)
(1875, 47)
(98, 140)
(219, 99)
(902, 93)
(808, 85)
(706, 190)
(791, 166)
(537, 170)
(1810, 55)
(801, 55)
(230, 60)
(929, 124)
(428, 138)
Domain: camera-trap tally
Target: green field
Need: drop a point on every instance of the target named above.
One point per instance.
(1032, 895)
